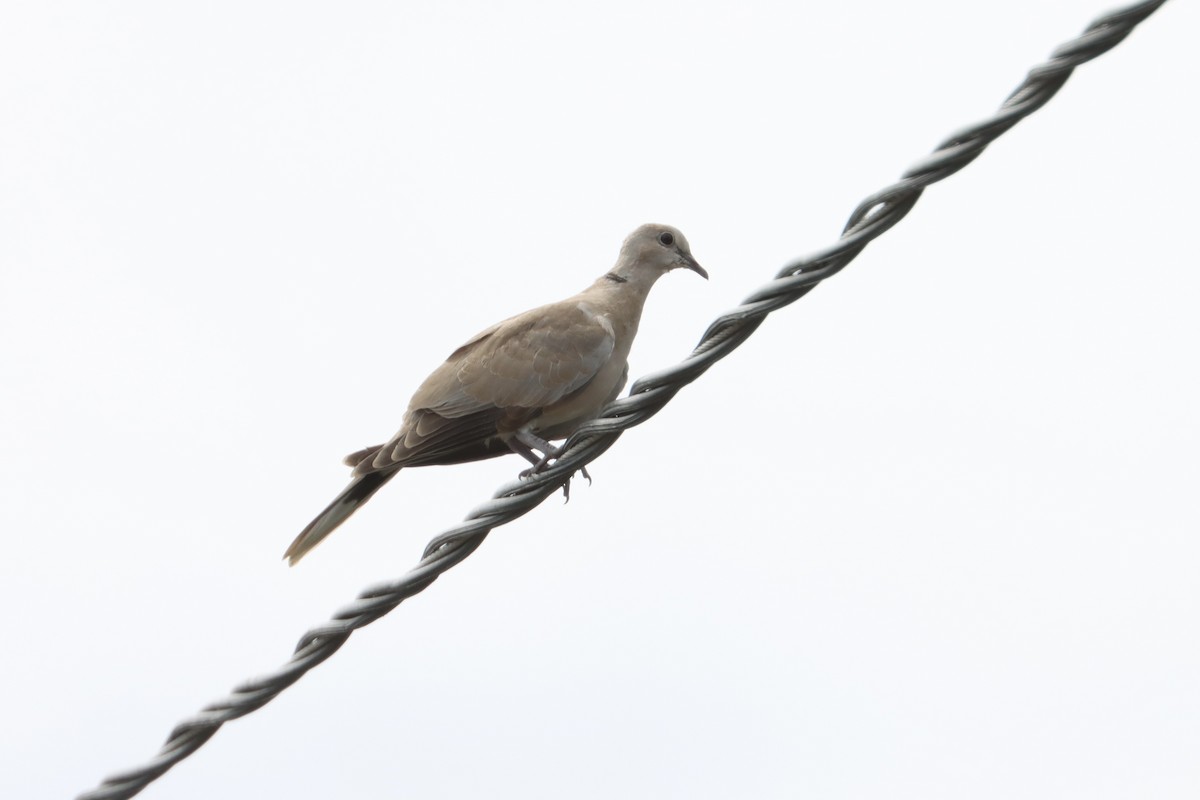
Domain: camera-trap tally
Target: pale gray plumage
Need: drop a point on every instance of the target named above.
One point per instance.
(525, 381)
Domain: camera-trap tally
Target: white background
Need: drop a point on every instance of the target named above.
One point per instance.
(931, 533)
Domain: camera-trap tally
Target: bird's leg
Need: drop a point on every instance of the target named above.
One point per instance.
(530, 442)
(525, 452)
(525, 443)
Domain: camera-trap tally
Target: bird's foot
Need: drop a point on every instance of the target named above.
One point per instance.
(526, 444)
(551, 453)
(567, 486)
(535, 469)
(538, 465)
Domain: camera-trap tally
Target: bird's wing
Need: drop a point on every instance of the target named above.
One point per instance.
(497, 381)
(530, 361)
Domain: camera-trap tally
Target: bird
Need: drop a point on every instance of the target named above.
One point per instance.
(520, 384)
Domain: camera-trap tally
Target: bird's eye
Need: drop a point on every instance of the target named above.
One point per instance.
(666, 239)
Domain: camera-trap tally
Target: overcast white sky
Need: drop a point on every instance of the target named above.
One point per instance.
(932, 533)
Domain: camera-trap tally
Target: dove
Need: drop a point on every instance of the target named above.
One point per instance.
(522, 383)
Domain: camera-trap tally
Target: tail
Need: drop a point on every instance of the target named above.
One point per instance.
(358, 492)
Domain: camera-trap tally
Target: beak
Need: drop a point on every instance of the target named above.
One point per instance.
(686, 260)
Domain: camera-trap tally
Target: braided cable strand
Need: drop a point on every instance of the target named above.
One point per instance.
(872, 218)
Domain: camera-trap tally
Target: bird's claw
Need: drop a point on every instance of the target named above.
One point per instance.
(538, 467)
(567, 486)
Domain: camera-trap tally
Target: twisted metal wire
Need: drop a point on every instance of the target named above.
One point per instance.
(873, 217)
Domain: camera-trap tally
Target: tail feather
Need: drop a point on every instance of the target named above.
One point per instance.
(359, 456)
(358, 492)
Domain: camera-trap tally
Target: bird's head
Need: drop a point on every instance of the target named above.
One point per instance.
(660, 248)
